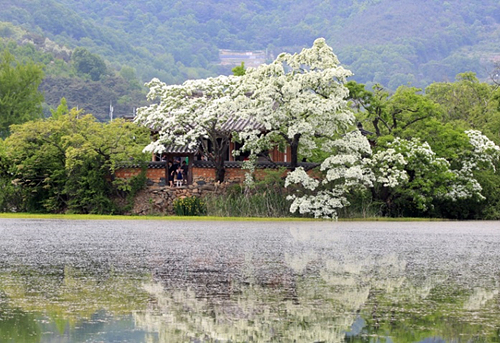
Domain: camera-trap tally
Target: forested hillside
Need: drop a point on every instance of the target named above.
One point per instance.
(392, 42)
(82, 78)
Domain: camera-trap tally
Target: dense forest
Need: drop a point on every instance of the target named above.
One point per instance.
(391, 42)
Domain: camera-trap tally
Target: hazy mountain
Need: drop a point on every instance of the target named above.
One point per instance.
(388, 41)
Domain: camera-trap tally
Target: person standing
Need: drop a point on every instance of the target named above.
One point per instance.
(170, 171)
(184, 167)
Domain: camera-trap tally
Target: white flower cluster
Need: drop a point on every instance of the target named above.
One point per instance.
(324, 204)
(297, 97)
(387, 167)
(483, 156)
(300, 176)
(486, 152)
(188, 112)
(344, 171)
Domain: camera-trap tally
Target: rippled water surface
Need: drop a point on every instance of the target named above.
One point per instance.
(161, 281)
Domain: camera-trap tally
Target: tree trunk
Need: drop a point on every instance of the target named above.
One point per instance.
(294, 147)
(220, 171)
(221, 146)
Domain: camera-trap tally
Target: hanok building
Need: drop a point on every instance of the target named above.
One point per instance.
(201, 170)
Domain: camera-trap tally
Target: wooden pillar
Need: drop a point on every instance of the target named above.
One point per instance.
(231, 149)
(190, 169)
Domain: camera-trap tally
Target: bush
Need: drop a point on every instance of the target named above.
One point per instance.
(190, 206)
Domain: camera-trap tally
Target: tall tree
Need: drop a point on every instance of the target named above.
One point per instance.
(469, 101)
(391, 114)
(298, 98)
(20, 99)
(194, 114)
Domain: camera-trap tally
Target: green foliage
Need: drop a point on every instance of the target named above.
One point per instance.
(61, 110)
(439, 117)
(266, 198)
(176, 40)
(362, 204)
(489, 208)
(189, 206)
(89, 64)
(129, 188)
(122, 89)
(66, 163)
(469, 102)
(239, 70)
(392, 114)
(20, 99)
(94, 96)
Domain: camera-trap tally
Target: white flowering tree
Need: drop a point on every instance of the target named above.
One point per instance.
(343, 171)
(408, 172)
(403, 174)
(297, 98)
(193, 114)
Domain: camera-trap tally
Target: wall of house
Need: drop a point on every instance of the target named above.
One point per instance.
(155, 176)
(201, 176)
(158, 197)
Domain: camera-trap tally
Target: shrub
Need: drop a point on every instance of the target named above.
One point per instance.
(189, 206)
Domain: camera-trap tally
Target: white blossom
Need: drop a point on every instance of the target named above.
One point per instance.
(189, 112)
(297, 98)
(485, 151)
(300, 176)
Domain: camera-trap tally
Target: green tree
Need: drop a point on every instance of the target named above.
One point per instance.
(391, 114)
(470, 102)
(89, 64)
(239, 70)
(20, 99)
(66, 162)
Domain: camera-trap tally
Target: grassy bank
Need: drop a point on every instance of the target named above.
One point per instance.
(200, 218)
(118, 217)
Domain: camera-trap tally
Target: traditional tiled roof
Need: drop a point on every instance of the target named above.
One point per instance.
(150, 165)
(237, 125)
(175, 149)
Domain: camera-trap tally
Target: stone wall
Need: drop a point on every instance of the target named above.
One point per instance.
(159, 200)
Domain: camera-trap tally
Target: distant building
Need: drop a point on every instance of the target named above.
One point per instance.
(235, 57)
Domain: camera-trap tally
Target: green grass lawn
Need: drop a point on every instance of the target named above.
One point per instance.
(200, 218)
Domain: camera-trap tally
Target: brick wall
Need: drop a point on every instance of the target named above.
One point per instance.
(157, 176)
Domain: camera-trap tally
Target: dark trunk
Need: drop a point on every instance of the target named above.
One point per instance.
(220, 171)
(221, 146)
(294, 147)
(375, 125)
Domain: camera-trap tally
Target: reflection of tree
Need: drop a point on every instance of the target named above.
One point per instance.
(403, 301)
(313, 286)
(310, 293)
(17, 326)
(256, 313)
(69, 296)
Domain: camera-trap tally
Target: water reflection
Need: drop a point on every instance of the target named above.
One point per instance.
(319, 283)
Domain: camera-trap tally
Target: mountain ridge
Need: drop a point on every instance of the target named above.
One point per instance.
(382, 41)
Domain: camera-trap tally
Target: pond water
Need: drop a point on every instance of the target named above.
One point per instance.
(207, 281)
